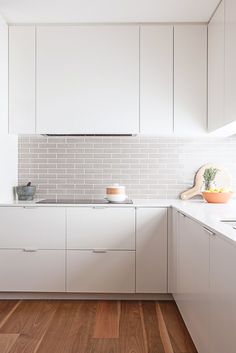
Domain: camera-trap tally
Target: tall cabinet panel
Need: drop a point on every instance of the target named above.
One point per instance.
(151, 250)
(193, 289)
(216, 70)
(223, 296)
(87, 79)
(22, 79)
(190, 79)
(230, 61)
(156, 79)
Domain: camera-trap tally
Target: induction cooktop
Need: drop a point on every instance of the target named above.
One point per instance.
(81, 201)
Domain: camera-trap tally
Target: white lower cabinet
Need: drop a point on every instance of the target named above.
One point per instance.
(192, 295)
(151, 250)
(101, 271)
(223, 296)
(32, 271)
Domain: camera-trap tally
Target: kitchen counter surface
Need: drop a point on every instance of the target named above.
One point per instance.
(209, 215)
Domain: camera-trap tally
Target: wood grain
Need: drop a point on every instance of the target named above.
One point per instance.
(7, 307)
(163, 331)
(107, 320)
(30, 320)
(92, 327)
(178, 333)
(7, 341)
(131, 330)
(71, 328)
(151, 328)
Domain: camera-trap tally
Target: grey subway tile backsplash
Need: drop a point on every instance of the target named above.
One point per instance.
(150, 167)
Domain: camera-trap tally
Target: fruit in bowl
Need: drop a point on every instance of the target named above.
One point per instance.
(217, 195)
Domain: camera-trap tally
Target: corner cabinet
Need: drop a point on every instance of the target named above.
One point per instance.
(192, 295)
(151, 250)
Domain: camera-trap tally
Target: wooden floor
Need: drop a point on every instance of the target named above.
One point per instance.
(92, 327)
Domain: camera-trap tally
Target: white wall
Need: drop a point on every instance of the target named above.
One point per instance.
(8, 144)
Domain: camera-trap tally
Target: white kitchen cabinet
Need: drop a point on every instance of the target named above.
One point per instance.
(32, 227)
(101, 228)
(173, 234)
(190, 80)
(22, 79)
(32, 271)
(193, 276)
(216, 70)
(156, 80)
(151, 250)
(87, 79)
(230, 62)
(223, 296)
(101, 271)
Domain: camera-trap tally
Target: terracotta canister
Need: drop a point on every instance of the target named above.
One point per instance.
(116, 193)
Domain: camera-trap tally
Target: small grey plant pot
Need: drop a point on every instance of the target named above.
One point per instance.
(25, 193)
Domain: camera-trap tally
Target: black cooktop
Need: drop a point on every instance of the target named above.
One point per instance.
(82, 202)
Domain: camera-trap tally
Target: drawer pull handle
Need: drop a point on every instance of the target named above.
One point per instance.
(29, 207)
(100, 251)
(208, 231)
(99, 208)
(30, 250)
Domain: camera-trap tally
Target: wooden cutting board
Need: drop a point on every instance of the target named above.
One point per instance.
(223, 179)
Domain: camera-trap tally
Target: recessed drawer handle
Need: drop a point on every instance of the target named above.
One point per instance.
(208, 231)
(99, 208)
(30, 250)
(99, 251)
(29, 207)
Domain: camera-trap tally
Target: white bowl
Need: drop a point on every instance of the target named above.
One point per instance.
(116, 198)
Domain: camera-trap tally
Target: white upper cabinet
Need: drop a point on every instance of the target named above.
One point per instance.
(22, 79)
(230, 62)
(190, 79)
(216, 70)
(87, 79)
(156, 80)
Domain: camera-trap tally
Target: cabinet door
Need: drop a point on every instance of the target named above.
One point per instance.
(33, 227)
(230, 61)
(101, 272)
(151, 250)
(216, 70)
(88, 79)
(22, 79)
(40, 271)
(173, 234)
(101, 228)
(156, 80)
(193, 277)
(223, 296)
(190, 79)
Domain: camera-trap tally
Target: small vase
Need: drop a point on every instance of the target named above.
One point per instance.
(209, 185)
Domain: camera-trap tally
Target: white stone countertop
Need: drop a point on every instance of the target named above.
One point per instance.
(209, 215)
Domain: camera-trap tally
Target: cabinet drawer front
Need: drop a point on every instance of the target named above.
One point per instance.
(101, 228)
(37, 227)
(107, 272)
(40, 271)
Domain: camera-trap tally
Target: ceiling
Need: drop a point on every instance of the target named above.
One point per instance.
(73, 11)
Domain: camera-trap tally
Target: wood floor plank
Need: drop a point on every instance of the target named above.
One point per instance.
(7, 307)
(30, 321)
(107, 320)
(101, 345)
(178, 333)
(151, 327)
(7, 341)
(163, 331)
(71, 329)
(131, 330)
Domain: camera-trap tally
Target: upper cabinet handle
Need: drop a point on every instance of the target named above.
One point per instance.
(30, 250)
(208, 231)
